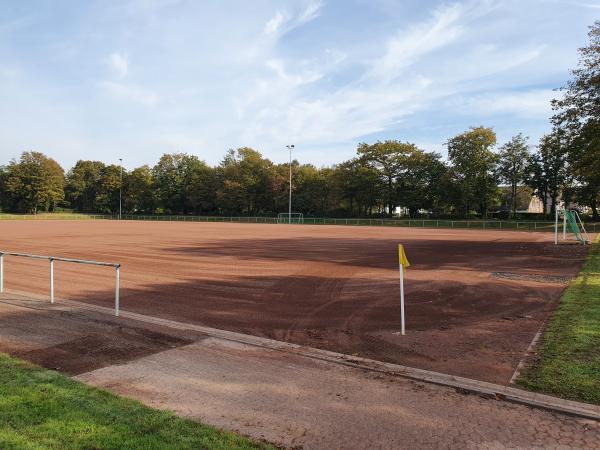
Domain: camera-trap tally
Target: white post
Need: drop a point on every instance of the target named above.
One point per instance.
(564, 224)
(1, 273)
(402, 298)
(555, 226)
(290, 199)
(117, 289)
(51, 280)
(120, 187)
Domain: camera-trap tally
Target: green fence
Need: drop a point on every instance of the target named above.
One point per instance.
(412, 223)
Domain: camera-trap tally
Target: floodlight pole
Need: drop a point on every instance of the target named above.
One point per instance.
(120, 187)
(290, 147)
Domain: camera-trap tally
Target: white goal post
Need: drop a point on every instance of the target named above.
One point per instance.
(571, 224)
(290, 218)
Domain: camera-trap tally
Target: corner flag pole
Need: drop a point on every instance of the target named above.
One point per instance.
(403, 263)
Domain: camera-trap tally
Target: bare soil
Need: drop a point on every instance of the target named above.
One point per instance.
(323, 286)
(76, 342)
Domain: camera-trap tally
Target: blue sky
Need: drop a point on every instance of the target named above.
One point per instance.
(135, 79)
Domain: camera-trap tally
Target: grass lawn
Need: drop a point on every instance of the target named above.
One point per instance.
(568, 363)
(41, 409)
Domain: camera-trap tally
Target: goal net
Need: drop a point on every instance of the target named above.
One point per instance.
(572, 226)
(290, 218)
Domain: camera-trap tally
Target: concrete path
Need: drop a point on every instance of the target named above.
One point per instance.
(298, 402)
(283, 397)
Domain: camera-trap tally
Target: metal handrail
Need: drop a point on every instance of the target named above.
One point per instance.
(69, 260)
(58, 258)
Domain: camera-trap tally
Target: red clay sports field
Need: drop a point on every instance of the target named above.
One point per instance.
(474, 299)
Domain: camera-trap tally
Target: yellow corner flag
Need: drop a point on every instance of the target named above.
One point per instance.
(402, 257)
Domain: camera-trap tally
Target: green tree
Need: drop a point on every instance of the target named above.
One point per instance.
(4, 197)
(473, 166)
(523, 197)
(390, 160)
(201, 188)
(326, 194)
(34, 182)
(83, 184)
(312, 190)
(578, 119)
(422, 186)
(138, 191)
(548, 170)
(173, 175)
(512, 166)
(108, 189)
(246, 182)
(360, 186)
(280, 185)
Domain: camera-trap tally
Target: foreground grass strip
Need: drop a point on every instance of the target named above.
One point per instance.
(40, 409)
(568, 363)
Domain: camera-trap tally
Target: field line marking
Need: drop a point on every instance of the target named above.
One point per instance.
(528, 352)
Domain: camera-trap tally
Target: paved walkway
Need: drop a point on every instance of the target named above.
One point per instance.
(296, 401)
(292, 400)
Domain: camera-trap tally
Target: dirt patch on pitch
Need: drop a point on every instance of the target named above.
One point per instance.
(94, 351)
(78, 342)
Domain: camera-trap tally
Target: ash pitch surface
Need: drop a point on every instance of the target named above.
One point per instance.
(329, 287)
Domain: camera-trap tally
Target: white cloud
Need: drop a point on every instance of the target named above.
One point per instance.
(528, 104)
(408, 46)
(300, 76)
(130, 93)
(575, 3)
(311, 12)
(273, 24)
(119, 63)
(284, 21)
(382, 95)
(259, 75)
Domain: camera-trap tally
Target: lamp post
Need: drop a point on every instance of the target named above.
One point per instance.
(120, 187)
(290, 147)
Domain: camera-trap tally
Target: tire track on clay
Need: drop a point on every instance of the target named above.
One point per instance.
(328, 290)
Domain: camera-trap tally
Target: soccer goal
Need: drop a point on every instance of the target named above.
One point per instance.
(572, 226)
(290, 218)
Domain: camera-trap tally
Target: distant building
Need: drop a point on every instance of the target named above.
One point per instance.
(536, 206)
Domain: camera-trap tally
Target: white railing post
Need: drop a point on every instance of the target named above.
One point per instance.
(1, 273)
(117, 289)
(52, 259)
(51, 280)
(555, 226)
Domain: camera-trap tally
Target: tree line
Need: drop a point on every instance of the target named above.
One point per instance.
(478, 177)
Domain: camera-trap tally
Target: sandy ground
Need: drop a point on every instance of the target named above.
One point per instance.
(282, 397)
(470, 309)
